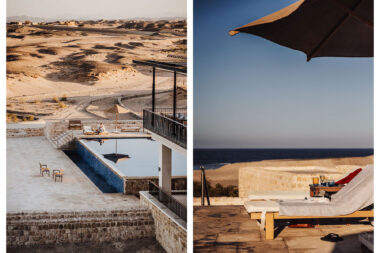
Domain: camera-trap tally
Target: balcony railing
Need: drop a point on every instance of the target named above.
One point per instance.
(163, 123)
(174, 205)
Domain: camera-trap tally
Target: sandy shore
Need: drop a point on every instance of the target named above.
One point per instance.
(228, 174)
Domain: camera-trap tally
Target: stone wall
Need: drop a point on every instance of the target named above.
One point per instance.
(220, 201)
(254, 179)
(76, 227)
(57, 127)
(133, 185)
(29, 129)
(170, 230)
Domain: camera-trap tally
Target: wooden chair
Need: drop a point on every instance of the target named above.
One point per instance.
(58, 173)
(44, 169)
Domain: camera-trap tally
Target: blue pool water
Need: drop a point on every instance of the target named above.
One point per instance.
(86, 168)
(143, 153)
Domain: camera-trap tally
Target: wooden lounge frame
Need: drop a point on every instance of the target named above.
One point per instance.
(270, 217)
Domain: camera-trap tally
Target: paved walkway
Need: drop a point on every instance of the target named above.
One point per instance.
(27, 190)
(229, 229)
(146, 245)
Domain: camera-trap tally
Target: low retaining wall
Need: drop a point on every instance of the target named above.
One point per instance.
(56, 127)
(170, 230)
(221, 201)
(111, 176)
(29, 129)
(254, 179)
(76, 227)
(133, 185)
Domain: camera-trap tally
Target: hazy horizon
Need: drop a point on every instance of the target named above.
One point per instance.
(97, 9)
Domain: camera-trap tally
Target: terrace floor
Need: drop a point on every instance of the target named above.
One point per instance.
(27, 190)
(229, 229)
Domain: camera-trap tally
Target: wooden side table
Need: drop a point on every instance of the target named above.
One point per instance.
(315, 189)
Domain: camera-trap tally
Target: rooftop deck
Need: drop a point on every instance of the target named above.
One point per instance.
(27, 190)
(229, 229)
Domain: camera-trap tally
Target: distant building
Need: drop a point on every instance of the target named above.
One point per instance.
(70, 23)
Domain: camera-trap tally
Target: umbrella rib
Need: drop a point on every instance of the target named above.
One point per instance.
(353, 14)
(328, 36)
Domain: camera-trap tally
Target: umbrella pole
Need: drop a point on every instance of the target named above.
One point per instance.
(116, 122)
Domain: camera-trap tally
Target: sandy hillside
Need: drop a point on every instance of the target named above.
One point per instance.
(228, 174)
(55, 68)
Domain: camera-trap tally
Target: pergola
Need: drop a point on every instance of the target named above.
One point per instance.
(175, 67)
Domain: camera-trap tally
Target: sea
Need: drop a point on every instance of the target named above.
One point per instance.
(215, 158)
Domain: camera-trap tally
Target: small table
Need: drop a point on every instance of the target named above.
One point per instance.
(315, 189)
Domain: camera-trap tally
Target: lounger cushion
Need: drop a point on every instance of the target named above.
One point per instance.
(261, 206)
(267, 195)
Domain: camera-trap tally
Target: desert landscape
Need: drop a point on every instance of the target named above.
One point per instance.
(79, 69)
(228, 175)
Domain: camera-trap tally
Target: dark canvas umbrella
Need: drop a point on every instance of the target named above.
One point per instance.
(341, 28)
(115, 157)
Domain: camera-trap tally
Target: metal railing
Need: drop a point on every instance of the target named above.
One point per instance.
(161, 123)
(174, 205)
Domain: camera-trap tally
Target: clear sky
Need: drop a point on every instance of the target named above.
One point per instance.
(97, 9)
(252, 93)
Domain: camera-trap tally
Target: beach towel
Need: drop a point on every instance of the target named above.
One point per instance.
(348, 179)
(356, 195)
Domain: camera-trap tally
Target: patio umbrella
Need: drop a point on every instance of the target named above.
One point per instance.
(340, 28)
(117, 109)
(115, 157)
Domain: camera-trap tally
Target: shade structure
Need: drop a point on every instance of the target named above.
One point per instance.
(336, 28)
(115, 157)
(117, 109)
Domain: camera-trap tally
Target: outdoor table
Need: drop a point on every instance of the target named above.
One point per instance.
(315, 189)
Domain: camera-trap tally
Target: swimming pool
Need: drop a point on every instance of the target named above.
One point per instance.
(131, 173)
(143, 153)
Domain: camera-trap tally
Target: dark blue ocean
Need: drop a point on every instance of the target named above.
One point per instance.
(215, 158)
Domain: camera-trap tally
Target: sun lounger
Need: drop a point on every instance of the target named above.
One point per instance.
(130, 129)
(350, 202)
(87, 130)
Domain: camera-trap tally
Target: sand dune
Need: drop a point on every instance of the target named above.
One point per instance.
(228, 174)
(45, 62)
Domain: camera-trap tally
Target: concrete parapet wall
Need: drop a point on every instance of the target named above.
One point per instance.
(253, 179)
(170, 230)
(28, 129)
(76, 227)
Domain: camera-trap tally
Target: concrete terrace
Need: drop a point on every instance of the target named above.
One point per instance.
(27, 190)
(229, 229)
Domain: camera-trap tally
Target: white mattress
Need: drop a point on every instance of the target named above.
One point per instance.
(261, 206)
